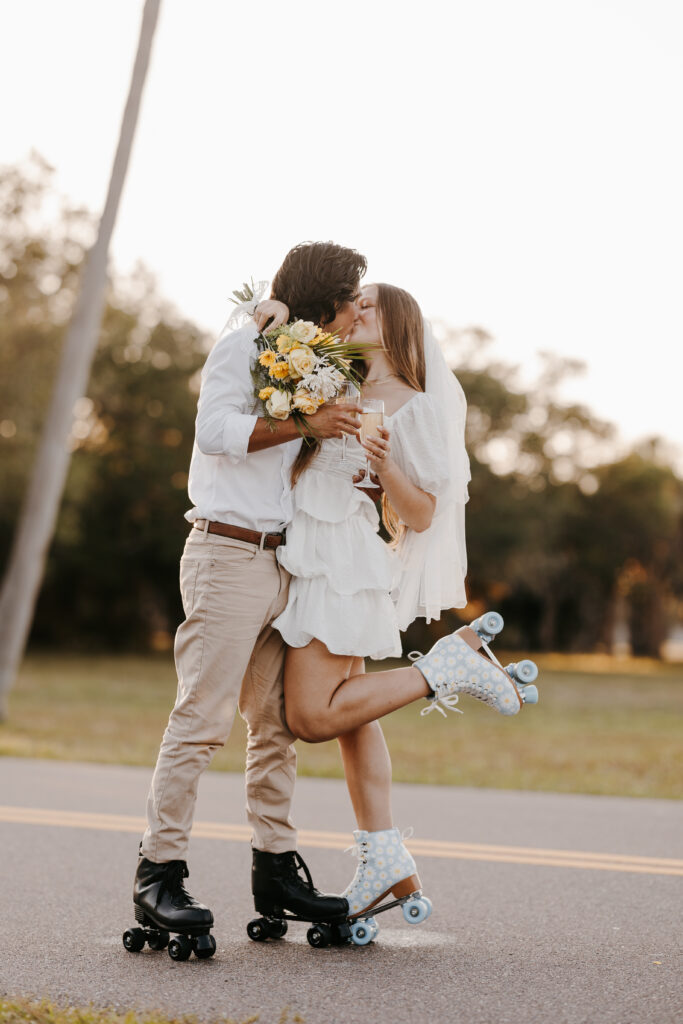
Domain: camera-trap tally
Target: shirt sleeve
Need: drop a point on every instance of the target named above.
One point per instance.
(417, 444)
(225, 416)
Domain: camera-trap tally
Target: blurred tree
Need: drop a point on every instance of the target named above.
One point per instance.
(111, 577)
(558, 531)
(24, 573)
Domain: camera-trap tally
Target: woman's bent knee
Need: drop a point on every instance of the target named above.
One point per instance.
(306, 726)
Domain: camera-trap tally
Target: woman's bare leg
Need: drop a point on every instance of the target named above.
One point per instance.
(367, 766)
(326, 697)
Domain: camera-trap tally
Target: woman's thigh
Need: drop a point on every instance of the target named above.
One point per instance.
(313, 675)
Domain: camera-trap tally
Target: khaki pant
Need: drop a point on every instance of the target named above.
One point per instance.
(227, 656)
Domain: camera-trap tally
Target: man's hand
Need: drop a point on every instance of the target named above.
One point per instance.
(273, 310)
(334, 421)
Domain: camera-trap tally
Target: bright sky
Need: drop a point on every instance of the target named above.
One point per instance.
(514, 165)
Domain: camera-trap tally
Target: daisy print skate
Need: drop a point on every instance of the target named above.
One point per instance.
(463, 662)
(386, 877)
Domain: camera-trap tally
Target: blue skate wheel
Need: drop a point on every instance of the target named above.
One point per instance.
(428, 903)
(415, 911)
(527, 671)
(492, 622)
(363, 932)
(530, 694)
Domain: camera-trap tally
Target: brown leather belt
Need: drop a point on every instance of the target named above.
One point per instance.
(263, 540)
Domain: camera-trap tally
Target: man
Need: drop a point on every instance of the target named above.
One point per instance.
(227, 653)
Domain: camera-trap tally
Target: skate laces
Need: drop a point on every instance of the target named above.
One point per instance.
(175, 873)
(359, 850)
(439, 702)
(297, 862)
(442, 703)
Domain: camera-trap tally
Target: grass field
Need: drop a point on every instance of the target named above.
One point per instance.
(30, 1011)
(603, 726)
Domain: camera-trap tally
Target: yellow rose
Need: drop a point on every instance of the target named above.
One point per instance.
(303, 331)
(265, 393)
(267, 358)
(279, 405)
(304, 402)
(280, 371)
(302, 359)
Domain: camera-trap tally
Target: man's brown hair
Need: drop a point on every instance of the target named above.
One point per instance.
(317, 278)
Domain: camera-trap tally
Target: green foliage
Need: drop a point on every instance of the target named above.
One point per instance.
(112, 572)
(33, 1011)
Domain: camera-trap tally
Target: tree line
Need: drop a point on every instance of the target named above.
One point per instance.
(563, 538)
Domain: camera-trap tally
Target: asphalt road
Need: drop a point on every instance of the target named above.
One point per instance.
(547, 908)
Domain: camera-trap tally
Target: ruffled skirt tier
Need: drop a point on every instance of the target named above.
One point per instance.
(342, 571)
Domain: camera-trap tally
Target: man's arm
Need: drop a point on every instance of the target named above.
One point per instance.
(225, 427)
(328, 421)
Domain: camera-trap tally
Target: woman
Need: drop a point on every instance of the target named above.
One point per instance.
(351, 594)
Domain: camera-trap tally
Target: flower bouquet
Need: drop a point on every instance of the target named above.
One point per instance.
(299, 367)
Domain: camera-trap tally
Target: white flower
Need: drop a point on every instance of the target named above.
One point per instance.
(303, 331)
(279, 405)
(302, 359)
(324, 382)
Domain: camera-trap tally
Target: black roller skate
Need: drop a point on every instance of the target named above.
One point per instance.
(282, 894)
(163, 905)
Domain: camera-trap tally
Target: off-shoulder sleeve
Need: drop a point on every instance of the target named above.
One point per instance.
(417, 443)
(431, 565)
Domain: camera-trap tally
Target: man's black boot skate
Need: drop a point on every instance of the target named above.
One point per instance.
(162, 905)
(282, 893)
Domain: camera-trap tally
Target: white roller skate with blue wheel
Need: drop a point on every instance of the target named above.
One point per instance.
(463, 662)
(385, 870)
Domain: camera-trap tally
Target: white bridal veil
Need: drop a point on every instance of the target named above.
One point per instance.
(434, 562)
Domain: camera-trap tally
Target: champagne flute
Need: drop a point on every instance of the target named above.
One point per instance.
(348, 395)
(371, 417)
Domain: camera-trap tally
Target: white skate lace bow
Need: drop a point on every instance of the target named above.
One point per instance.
(356, 850)
(243, 311)
(439, 702)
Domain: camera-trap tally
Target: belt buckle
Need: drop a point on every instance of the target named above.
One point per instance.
(272, 533)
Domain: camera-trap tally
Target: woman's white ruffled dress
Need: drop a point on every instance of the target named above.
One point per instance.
(346, 581)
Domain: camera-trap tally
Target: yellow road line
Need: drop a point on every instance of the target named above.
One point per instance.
(338, 841)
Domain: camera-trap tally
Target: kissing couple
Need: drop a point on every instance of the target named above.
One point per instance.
(287, 587)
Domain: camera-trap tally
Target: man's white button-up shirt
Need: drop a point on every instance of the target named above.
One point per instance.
(227, 484)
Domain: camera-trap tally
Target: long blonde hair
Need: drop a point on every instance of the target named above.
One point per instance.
(402, 336)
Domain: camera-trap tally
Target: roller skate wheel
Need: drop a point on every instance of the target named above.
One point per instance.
(530, 694)
(258, 930)
(134, 939)
(428, 903)
(180, 948)
(363, 932)
(490, 622)
(158, 940)
(527, 671)
(319, 936)
(415, 911)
